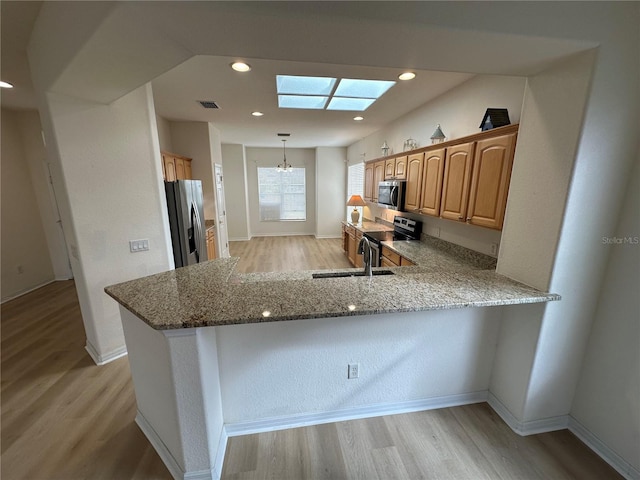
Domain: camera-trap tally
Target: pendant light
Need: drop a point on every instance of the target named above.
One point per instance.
(284, 166)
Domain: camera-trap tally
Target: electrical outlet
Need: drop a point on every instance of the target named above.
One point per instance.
(494, 249)
(20, 269)
(353, 371)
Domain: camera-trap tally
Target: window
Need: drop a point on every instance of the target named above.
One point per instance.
(355, 185)
(282, 195)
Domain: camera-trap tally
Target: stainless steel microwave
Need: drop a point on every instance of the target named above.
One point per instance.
(391, 194)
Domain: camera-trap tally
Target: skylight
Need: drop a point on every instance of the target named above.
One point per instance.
(325, 92)
(350, 104)
(311, 102)
(305, 85)
(349, 87)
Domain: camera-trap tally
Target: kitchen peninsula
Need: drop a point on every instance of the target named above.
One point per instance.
(215, 353)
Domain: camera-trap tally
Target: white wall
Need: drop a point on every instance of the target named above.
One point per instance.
(608, 393)
(24, 244)
(112, 178)
(191, 139)
(271, 157)
(458, 111)
(236, 191)
(331, 191)
(402, 357)
(164, 134)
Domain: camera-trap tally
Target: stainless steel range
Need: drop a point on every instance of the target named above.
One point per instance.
(403, 229)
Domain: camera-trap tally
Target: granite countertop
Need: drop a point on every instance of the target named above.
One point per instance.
(369, 226)
(209, 224)
(213, 294)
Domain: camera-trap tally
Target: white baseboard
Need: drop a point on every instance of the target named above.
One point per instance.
(623, 467)
(165, 455)
(222, 449)
(294, 421)
(329, 236)
(239, 239)
(28, 290)
(104, 359)
(527, 428)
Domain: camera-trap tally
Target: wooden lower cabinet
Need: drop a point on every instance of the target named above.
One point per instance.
(351, 244)
(393, 259)
(211, 243)
(359, 257)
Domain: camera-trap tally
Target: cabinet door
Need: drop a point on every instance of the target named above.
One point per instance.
(378, 176)
(414, 182)
(385, 262)
(457, 176)
(359, 257)
(179, 162)
(169, 163)
(352, 249)
(432, 176)
(368, 182)
(401, 168)
(187, 169)
(389, 168)
(492, 163)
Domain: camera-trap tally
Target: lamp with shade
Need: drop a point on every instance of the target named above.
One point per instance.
(356, 201)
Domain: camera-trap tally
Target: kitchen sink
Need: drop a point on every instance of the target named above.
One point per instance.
(358, 273)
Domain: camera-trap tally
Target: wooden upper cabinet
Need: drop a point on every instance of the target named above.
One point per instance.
(432, 176)
(378, 176)
(175, 167)
(395, 168)
(414, 181)
(368, 182)
(389, 168)
(169, 168)
(492, 163)
(401, 168)
(457, 177)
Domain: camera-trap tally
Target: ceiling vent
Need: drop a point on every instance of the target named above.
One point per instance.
(208, 104)
(284, 134)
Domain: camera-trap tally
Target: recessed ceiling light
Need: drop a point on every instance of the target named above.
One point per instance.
(5, 85)
(257, 114)
(241, 66)
(407, 76)
(358, 119)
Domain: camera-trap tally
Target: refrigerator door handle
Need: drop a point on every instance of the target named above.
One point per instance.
(197, 231)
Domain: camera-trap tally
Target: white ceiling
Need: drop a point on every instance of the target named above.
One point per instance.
(238, 94)
(210, 78)
(114, 47)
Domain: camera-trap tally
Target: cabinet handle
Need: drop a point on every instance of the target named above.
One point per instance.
(460, 217)
(468, 219)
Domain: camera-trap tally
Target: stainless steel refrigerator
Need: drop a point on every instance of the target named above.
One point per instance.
(186, 219)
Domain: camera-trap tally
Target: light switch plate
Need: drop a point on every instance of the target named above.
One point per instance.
(136, 246)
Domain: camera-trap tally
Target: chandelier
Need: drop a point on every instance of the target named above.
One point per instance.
(284, 166)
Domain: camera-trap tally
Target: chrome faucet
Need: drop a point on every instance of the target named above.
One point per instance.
(364, 248)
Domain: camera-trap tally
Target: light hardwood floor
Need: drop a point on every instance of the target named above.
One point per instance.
(65, 418)
(282, 254)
